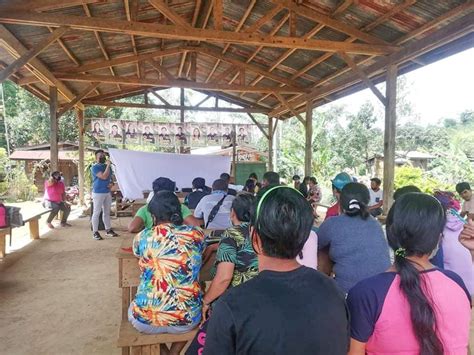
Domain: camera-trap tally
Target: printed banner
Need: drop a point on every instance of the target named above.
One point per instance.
(119, 132)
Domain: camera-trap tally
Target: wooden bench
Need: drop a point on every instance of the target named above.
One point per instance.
(33, 224)
(133, 342)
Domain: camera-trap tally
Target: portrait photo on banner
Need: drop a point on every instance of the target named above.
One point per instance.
(181, 134)
(213, 134)
(116, 129)
(226, 131)
(131, 132)
(164, 134)
(198, 134)
(147, 133)
(98, 130)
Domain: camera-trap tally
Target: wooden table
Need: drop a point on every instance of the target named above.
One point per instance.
(129, 272)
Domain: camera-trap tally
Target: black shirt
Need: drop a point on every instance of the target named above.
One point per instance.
(296, 312)
(194, 197)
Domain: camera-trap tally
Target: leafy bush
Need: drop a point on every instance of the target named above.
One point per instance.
(20, 187)
(408, 175)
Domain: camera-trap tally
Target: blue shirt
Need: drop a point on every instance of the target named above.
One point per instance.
(100, 186)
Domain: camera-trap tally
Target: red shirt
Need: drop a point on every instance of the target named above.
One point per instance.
(332, 211)
(54, 192)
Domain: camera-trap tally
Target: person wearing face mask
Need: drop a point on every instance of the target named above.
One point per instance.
(55, 199)
(101, 197)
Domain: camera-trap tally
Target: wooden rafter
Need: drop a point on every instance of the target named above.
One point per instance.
(342, 7)
(127, 80)
(289, 107)
(32, 53)
(78, 98)
(260, 127)
(175, 32)
(218, 14)
(450, 32)
(263, 20)
(131, 11)
(328, 21)
(159, 97)
(173, 107)
(17, 49)
(363, 77)
(116, 62)
(162, 70)
(66, 49)
(163, 7)
(45, 5)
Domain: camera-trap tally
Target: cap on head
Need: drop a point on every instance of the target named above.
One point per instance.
(341, 180)
(163, 184)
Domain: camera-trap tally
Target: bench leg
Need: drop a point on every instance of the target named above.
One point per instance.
(34, 228)
(3, 242)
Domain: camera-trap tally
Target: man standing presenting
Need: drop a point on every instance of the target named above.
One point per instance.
(376, 197)
(101, 184)
(54, 199)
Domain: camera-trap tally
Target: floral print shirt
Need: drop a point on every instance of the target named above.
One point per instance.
(169, 293)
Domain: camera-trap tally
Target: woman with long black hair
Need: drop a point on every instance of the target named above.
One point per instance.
(413, 308)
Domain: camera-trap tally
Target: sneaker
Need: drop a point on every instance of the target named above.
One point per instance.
(50, 226)
(97, 236)
(111, 233)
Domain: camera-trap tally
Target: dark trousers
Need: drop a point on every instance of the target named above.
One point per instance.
(376, 212)
(56, 207)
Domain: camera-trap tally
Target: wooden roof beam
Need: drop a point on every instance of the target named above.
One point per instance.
(66, 49)
(78, 98)
(127, 80)
(17, 49)
(45, 5)
(174, 107)
(260, 127)
(218, 14)
(162, 70)
(363, 77)
(159, 97)
(163, 7)
(32, 53)
(328, 21)
(290, 108)
(450, 32)
(263, 20)
(175, 32)
(131, 11)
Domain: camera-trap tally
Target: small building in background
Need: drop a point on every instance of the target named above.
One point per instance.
(37, 160)
(413, 158)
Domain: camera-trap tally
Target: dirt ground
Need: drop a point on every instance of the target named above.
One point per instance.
(59, 294)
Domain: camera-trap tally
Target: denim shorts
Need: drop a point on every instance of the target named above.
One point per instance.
(151, 329)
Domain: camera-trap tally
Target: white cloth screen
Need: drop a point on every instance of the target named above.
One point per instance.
(136, 171)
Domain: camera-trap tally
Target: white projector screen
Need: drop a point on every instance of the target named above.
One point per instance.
(136, 171)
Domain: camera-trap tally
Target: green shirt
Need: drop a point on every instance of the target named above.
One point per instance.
(147, 219)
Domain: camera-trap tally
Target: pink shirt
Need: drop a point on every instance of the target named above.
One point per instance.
(380, 313)
(54, 192)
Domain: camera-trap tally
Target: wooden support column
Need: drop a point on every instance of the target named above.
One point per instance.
(181, 100)
(53, 113)
(308, 148)
(389, 137)
(81, 166)
(270, 143)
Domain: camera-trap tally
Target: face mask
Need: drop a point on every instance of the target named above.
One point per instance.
(102, 160)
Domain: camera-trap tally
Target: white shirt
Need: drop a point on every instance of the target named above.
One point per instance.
(468, 206)
(222, 219)
(375, 197)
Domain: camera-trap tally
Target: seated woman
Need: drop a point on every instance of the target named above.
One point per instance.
(414, 307)
(355, 239)
(236, 261)
(168, 299)
(455, 256)
(143, 218)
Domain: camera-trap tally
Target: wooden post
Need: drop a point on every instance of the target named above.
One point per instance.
(181, 147)
(53, 112)
(270, 143)
(389, 137)
(81, 166)
(308, 148)
(234, 151)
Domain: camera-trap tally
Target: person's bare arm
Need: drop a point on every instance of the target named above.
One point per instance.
(219, 284)
(356, 348)
(104, 175)
(193, 221)
(377, 205)
(136, 225)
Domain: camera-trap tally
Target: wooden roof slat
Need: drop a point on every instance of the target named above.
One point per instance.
(16, 48)
(264, 19)
(66, 49)
(218, 14)
(175, 32)
(342, 7)
(78, 98)
(44, 5)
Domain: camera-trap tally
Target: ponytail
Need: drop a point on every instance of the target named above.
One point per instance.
(422, 313)
(355, 199)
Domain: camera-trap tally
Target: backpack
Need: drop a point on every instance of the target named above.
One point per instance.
(3, 216)
(15, 218)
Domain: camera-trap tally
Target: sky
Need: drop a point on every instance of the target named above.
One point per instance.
(440, 90)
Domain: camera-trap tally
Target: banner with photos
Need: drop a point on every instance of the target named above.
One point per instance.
(118, 132)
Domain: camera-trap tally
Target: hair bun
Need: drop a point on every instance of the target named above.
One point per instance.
(354, 205)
